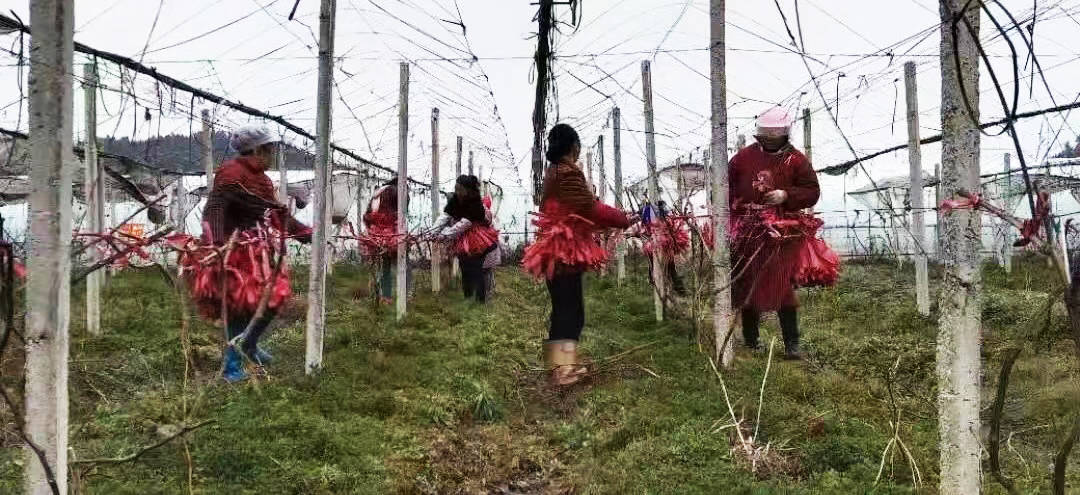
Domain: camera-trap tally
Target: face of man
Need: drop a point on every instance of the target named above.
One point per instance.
(772, 144)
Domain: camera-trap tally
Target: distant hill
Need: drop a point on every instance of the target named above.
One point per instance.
(180, 153)
(1069, 150)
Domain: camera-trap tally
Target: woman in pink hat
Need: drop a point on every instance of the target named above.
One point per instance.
(770, 181)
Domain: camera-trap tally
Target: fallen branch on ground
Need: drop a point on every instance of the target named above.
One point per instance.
(129, 458)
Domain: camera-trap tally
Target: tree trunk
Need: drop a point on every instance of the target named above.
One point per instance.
(959, 340)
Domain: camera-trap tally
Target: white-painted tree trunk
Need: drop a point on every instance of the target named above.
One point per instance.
(915, 192)
(723, 318)
(654, 186)
(48, 285)
(959, 340)
(402, 285)
(436, 281)
(93, 189)
(316, 311)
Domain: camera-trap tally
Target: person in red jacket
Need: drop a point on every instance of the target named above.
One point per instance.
(566, 247)
(240, 197)
(381, 239)
(768, 180)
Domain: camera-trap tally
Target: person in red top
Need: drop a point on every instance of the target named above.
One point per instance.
(382, 238)
(240, 197)
(465, 226)
(566, 247)
(768, 179)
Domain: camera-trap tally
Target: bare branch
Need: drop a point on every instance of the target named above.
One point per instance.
(128, 458)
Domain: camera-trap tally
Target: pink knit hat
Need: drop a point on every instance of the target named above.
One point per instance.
(774, 122)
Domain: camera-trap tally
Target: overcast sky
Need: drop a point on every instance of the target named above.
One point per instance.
(249, 51)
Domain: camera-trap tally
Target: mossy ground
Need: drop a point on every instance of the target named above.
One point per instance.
(449, 400)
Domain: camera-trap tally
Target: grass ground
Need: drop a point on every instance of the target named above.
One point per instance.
(448, 400)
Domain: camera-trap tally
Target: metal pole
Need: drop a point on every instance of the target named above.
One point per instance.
(654, 186)
(92, 192)
(48, 287)
(403, 192)
(316, 313)
(436, 281)
(472, 171)
(915, 192)
(620, 244)
(723, 317)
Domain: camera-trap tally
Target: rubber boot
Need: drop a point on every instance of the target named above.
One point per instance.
(789, 327)
(234, 366)
(751, 322)
(561, 358)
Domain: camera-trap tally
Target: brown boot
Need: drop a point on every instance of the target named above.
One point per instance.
(560, 357)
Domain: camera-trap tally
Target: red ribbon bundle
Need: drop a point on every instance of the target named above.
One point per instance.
(476, 240)
(118, 242)
(248, 269)
(1029, 229)
(670, 234)
(565, 240)
(818, 265)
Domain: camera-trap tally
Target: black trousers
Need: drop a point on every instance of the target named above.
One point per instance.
(676, 280)
(472, 277)
(238, 323)
(789, 325)
(567, 306)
